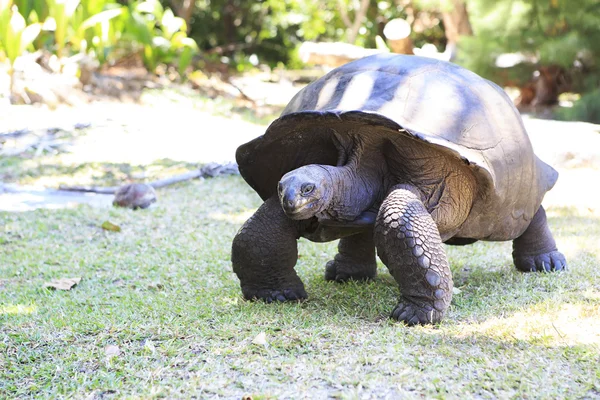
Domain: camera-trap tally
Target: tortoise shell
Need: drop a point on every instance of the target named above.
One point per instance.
(434, 102)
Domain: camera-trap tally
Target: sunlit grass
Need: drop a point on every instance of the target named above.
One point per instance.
(163, 291)
(14, 309)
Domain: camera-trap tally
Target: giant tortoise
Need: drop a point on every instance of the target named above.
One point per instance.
(400, 154)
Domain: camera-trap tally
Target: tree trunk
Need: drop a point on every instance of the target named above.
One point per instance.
(456, 22)
(359, 15)
(184, 9)
(397, 34)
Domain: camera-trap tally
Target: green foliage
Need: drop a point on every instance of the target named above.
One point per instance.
(160, 33)
(17, 35)
(273, 29)
(270, 29)
(103, 28)
(553, 31)
(587, 108)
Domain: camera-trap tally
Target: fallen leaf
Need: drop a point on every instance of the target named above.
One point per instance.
(112, 351)
(456, 290)
(62, 283)
(109, 226)
(149, 346)
(260, 339)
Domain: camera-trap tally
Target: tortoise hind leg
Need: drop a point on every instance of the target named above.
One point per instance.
(409, 244)
(535, 249)
(355, 259)
(264, 253)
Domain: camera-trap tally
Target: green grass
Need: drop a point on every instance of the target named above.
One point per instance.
(163, 291)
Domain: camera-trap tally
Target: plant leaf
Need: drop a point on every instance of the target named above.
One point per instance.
(29, 34)
(109, 226)
(100, 17)
(260, 339)
(62, 283)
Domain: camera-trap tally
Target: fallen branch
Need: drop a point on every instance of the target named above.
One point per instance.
(208, 171)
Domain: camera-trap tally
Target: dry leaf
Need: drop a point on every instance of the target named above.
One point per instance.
(109, 226)
(112, 351)
(149, 346)
(456, 290)
(260, 339)
(62, 283)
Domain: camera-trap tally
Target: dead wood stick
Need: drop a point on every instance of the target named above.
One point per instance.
(89, 189)
(155, 184)
(208, 171)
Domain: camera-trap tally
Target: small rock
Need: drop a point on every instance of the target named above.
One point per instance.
(134, 196)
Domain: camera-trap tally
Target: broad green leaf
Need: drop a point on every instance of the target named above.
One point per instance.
(5, 5)
(29, 34)
(185, 59)
(159, 41)
(17, 22)
(49, 24)
(14, 30)
(5, 14)
(33, 17)
(70, 6)
(103, 16)
(171, 24)
(140, 30)
(180, 40)
(151, 7)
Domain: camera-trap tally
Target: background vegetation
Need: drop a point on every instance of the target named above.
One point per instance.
(241, 34)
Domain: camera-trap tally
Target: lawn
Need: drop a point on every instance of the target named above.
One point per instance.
(159, 313)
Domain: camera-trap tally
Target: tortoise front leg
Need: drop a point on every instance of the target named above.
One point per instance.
(535, 249)
(264, 253)
(409, 244)
(355, 259)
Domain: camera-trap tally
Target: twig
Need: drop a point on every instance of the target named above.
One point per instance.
(90, 189)
(176, 179)
(15, 134)
(210, 170)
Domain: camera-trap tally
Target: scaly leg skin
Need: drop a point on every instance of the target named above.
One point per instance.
(409, 244)
(535, 249)
(355, 259)
(264, 253)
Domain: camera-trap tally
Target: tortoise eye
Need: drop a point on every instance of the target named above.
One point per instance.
(307, 189)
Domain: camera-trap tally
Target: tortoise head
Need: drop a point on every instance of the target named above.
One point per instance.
(305, 191)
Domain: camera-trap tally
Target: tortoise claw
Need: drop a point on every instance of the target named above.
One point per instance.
(546, 262)
(274, 295)
(412, 314)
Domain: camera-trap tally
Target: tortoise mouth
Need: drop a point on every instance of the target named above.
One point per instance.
(305, 211)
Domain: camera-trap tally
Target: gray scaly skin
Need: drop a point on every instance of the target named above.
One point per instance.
(535, 249)
(409, 244)
(408, 231)
(355, 259)
(264, 254)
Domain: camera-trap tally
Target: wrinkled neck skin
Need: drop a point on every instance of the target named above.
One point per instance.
(357, 186)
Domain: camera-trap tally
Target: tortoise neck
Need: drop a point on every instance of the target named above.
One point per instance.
(357, 186)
